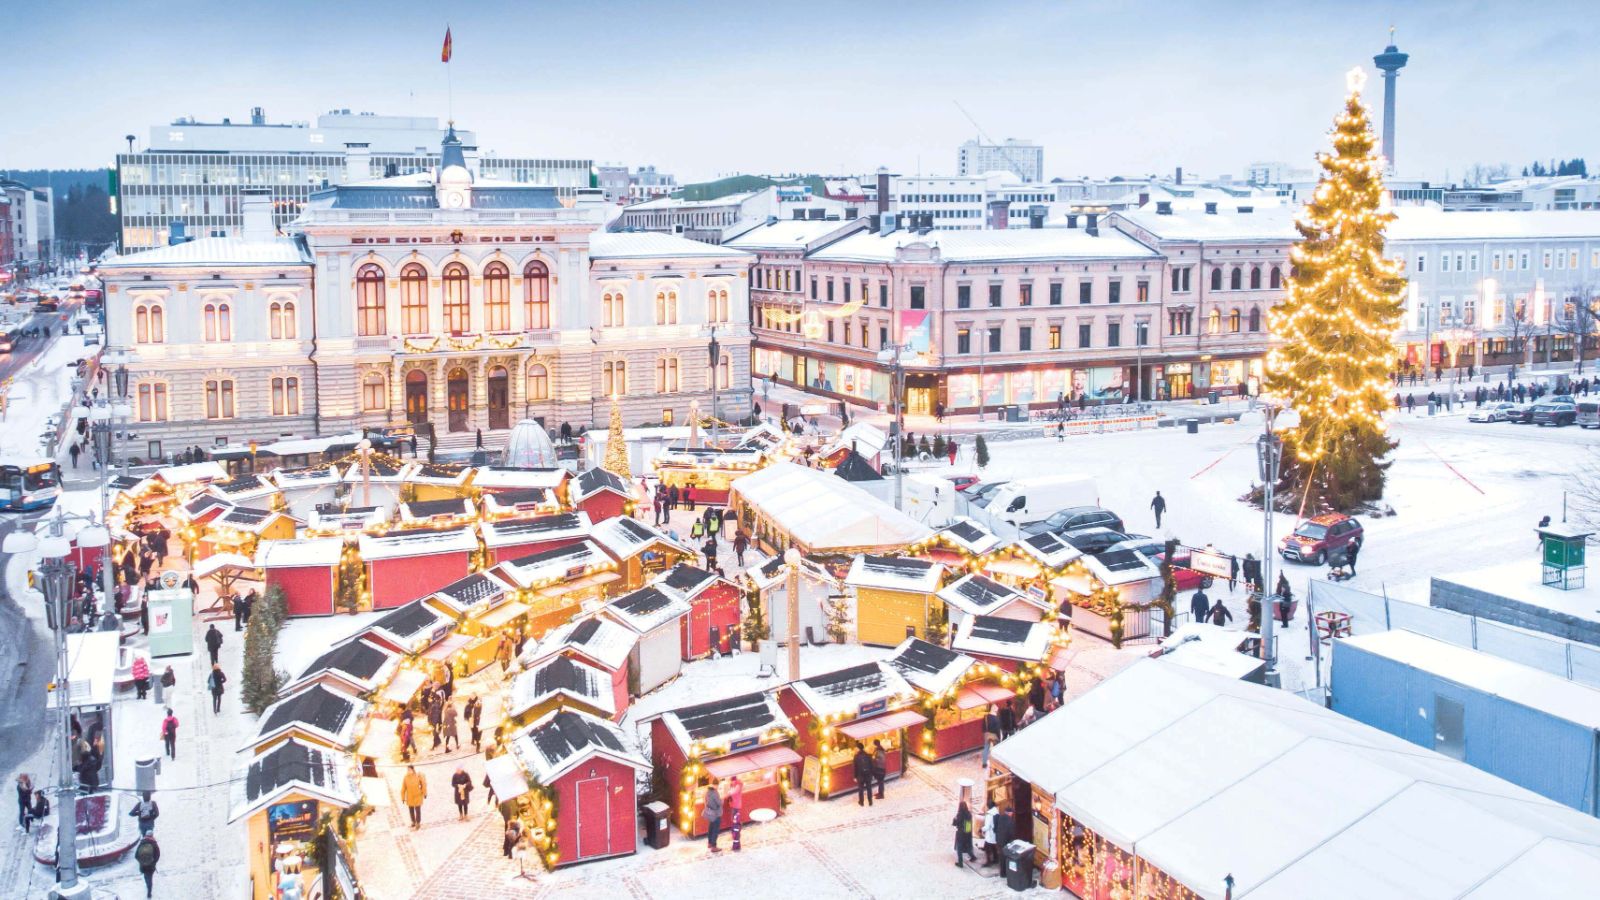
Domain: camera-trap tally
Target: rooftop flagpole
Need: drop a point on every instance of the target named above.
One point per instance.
(450, 91)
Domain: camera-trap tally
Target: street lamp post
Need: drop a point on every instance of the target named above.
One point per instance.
(716, 360)
(1269, 453)
(895, 355)
(983, 356)
(57, 574)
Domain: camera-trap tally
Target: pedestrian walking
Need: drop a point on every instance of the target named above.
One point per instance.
(963, 826)
(861, 768)
(502, 653)
(1199, 605)
(413, 790)
(436, 717)
(141, 677)
(512, 836)
(1286, 598)
(450, 732)
(213, 642)
(1233, 572)
(408, 738)
(238, 615)
(991, 853)
(951, 449)
(1220, 615)
(741, 543)
(147, 854)
(24, 801)
(713, 814)
(215, 681)
(461, 787)
(1350, 555)
(146, 812)
(735, 809)
(169, 733)
(880, 766)
(73, 450)
(1158, 505)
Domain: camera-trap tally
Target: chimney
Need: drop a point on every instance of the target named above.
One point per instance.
(1180, 175)
(1072, 220)
(1247, 209)
(886, 223)
(1211, 209)
(255, 207)
(1163, 207)
(258, 116)
(1144, 197)
(999, 213)
(357, 162)
(1093, 228)
(883, 190)
(1036, 215)
(176, 233)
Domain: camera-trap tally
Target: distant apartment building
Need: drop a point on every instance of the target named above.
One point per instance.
(1023, 159)
(30, 225)
(717, 220)
(194, 172)
(620, 185)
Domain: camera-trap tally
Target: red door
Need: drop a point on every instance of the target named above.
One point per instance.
(594, 817)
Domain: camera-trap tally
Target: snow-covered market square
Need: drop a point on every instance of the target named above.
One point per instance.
(410, 520)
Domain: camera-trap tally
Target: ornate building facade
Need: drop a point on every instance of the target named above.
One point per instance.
(434, 299)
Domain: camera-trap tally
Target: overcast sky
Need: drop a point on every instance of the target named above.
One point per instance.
(706, 87)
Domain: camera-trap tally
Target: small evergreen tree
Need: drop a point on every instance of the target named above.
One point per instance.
(939, 446)
(261, 680)
(908, 446)
(837, 611)
(982, 450)
(755, 626)
(349, 580)
(924, 447)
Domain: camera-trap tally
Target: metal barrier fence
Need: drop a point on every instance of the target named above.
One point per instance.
(1370, 613)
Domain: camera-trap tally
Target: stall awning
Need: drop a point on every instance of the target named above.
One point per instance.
(866, 728)
(506, 777)
(1059, 658)
(404, 685)
(578, 584)
(1016, 568)
(447, 647)
(502, 614)
(973, 696)
(755, 760)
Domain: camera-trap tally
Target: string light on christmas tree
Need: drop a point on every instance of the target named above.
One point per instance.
(1335, 328)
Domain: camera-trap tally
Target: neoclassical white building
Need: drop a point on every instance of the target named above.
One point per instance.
(432, 299)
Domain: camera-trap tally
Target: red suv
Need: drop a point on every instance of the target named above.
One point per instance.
(1312, 541)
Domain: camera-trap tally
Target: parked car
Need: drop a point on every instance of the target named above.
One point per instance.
(1521, 414)
(1095, 540)
(979, 496)
(962, 482)
(1554, 412)
(1074, 518)
(1318, 535)
(1493, 412)
(1588, 414)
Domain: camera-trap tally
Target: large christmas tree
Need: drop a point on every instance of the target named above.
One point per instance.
(1335, 328)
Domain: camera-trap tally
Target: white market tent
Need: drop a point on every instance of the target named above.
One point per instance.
(1203, 776)
(821, 513)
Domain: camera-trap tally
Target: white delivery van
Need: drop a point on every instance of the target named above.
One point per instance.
(1025, 500)
(929, 498)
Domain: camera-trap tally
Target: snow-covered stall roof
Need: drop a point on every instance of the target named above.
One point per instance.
(646, 609)
(894, 573)
(416, 512)
(929, 668)
(765, 437)
(596, 638)
(561, 740)
(413, 626)
(771, 572)
(293, 767)
(1191, 771)
(243, 488)
(1004, 638)
(594, 481)
(216, 562)
(361, 664)
(502, 478)
(865, 438)
(1553, 695)
(351, 519)
(846, 691)
(968, 536)
(439, 474)
(202, 505)
(1209, 648)
(317, 710)
(1114, 567)
(561, 526)
(1049, 550)
(250, 521)
(192, 473)
(561, 677)
(513, 502)
(474, 593)
(821, 512)
(718, 724)
(547, 566)
(417, 543)
(976, 595)
(313, 476)
(625, 536)
(687, 581)
(308, 552)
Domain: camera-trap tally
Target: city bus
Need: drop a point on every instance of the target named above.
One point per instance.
(29, 483)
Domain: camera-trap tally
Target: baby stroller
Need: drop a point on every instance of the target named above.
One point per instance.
(1339, 564)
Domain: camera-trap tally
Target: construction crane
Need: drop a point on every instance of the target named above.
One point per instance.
(1017, 168)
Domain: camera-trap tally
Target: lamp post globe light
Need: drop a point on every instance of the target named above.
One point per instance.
(1269, 453)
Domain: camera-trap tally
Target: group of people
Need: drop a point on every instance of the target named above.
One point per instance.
(990, 832)
(731, 807)
(1001, 720)
(436, 701)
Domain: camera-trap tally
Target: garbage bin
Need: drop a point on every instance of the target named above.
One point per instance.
(145, 772)
(1015, 414)
(158, 691)
(1019, 865)
(1212, 397)
(657, 818)
(1433, 407)
(1192, 425)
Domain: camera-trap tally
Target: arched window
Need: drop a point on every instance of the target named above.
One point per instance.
(1233, 321)
(371, 315)
(281, 320)
(611, 308)
(149, 324)
(1255, 316)
(667, 306)
(614, 378)
(717, 305)
(1255, 278)
(667, 375)
(1275, 279)
(457, 302)
(153, 402)
(219, 398)
(218, 318)
(1236, 280)
(1214, 321)
(1216, 279)
(414, 299)
(538, 383)
(536, 295)
(286, 396)
(374, 391)
(496, 297)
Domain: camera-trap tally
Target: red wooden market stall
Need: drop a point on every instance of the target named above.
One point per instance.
(601, 494)
(582, 802)
(836, 712)
(746, 738)
(641, 552)
(405, 565)
(954, 690)
(598, 641)
(516, 538)
(715, 609)
(305, 570)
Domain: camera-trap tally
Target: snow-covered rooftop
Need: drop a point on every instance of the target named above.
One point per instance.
(969, 536)
(1003, 638)
(212, 252)
(929, 668)
(599, 639)
(894, 573)
(719, 723)
(555, 563)
(1425, 223)
(1226, 224)
(650, 245)
(625, 536)
(823, 513)
(559, 676)
(554, 744)
(309, 552)
(417, 543)
(787, 234)
(506, 477)
(646, 609)
(293, 766)
(846, 691)
(561, 526)
(986, 245)
(977, 595)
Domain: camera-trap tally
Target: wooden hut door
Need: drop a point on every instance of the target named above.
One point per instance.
(416, 397)
(499, 398)
(594, 817)
(456, 395)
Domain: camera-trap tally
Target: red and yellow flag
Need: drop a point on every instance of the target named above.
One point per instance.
(444, 55)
